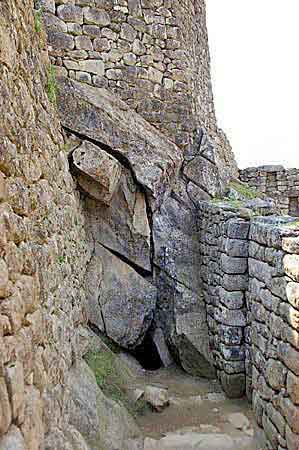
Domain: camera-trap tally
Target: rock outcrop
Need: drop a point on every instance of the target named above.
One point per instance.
(99, 115)
(121, 303)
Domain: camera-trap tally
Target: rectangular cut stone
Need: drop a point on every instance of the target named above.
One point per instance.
(95, 16)
(238, 229)
(236, 318)
(260, 270)
(235, 282)
(102, 168)
(94, 66)
(70, 13)
(232, 300)
(233, 265)
(236, 247)
(232, 352)
(230, 335)
(291, 266)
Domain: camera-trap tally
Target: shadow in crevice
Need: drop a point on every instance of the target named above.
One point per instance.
(147, 354)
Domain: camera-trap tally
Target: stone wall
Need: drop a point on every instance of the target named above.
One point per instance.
(272, 302)
(224, 275)
(250, 282)
(276, 182)
(153, 54)
(42, 247)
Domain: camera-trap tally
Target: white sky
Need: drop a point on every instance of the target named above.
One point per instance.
(255, 66)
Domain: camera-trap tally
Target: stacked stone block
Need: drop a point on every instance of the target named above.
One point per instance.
(276, 182)
(224, 252)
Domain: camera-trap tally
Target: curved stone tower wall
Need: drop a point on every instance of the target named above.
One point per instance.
(153, 54)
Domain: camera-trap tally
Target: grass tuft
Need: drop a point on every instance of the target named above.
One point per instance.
(111, 381)
(247, 192)
(52, 85)
(38, 21)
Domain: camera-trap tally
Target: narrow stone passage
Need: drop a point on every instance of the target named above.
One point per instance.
(199, 416)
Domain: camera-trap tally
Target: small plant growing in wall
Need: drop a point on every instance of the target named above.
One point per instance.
(52, 85)
(38, 19)
(61, 260)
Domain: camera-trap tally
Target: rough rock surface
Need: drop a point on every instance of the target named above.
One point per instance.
(98, 172)
(121, 303)
(99, 115)
(123, 226)
(182, 316)
(103, 422)
(43, 248)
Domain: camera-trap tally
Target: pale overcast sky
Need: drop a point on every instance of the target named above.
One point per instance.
(255, 66)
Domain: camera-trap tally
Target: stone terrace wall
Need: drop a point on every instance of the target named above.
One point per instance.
(276, 182)
(42, 249)
(224, 274)
(153, 54)
(273, 306)
(250, 278)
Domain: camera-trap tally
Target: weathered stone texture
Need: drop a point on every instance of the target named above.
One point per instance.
(43, 250)
(253, 324)
(276, 182)
(99, 115)
(224, 278)
(149, 55)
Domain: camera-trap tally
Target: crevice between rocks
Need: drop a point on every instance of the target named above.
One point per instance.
(142, 272)
(118, 156)
(126, 164)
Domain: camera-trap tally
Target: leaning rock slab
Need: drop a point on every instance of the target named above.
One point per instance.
(100, 115)
(177, 249)
(122, 300)
(181, 314)
(98, 173)
(123, 226)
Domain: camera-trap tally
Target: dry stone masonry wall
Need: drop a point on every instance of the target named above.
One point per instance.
(278, 183)
(250, 283)
(43, 251)
(272, 302)
(224, 275)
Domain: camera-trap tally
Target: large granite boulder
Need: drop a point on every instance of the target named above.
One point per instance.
(123, 226)
(120, 302)
(100, 115)
(104, 423)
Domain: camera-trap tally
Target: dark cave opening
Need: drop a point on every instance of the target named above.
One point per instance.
(147, 354)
